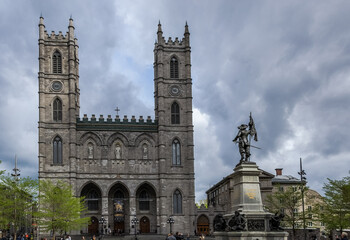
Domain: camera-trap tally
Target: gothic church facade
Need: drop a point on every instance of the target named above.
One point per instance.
(124, 167)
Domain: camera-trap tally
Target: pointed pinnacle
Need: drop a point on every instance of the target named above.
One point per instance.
(186, 28)
(159, 27)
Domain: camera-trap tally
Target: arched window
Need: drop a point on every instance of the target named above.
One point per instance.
(119, 195)
(175, 113)
(57, 110)
(92, 200)
(144, 201)
(176, 152)
(56, 62)
(177, 202)
(174, 68)
(57, 150)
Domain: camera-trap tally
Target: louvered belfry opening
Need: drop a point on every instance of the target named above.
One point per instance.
(57, 110)
(57, 62)
(174, 68)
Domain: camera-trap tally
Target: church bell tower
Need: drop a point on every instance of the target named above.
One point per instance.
(58, 102)
(173, 111)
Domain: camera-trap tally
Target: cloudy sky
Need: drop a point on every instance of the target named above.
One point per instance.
(287, 62)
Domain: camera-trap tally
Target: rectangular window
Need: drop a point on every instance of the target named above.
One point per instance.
(309, 224)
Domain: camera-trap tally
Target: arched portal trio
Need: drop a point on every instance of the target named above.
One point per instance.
(118, 205)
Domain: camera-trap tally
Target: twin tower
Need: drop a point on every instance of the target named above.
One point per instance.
(124, 167)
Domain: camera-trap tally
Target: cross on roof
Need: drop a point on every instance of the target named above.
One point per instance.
(117, 110)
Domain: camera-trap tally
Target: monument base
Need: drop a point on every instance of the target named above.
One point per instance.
(248, 220)
(250, 235)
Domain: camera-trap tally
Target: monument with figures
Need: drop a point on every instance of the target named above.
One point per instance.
(247, 219)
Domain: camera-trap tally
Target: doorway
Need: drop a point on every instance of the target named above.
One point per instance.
(93, 226)
(203, 225)
(118, 228)
(145, 225)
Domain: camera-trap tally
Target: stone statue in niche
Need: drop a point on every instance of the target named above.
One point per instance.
(90, 151)
(118, 152)
(145, 151)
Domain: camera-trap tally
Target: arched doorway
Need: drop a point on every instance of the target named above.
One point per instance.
(203, 225)
(119, 205)
(145, 226)
(146, 206)
(93, 226)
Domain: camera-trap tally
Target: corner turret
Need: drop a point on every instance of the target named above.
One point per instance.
(41, 28)
(71, 29)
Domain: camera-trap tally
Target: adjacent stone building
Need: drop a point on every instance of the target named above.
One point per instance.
(124, 167)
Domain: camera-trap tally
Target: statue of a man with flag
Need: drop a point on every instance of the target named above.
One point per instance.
(244, 138)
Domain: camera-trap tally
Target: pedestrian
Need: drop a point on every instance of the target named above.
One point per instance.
(170, 237)
(82, 238)
(188, 236)
(344, 236)
(202, 237)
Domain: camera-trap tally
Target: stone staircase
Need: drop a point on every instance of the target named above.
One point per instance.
(139, 237)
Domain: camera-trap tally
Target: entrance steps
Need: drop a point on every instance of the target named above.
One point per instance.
(139, 237)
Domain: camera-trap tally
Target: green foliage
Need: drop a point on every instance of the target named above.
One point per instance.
(59, 210)
(288, 201)
(335, 209)
(203, 201)
(17, 202)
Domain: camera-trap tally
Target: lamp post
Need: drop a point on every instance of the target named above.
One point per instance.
(15, 175)
(303, 179)
(134, 222)
(102, 222)
(170, 221)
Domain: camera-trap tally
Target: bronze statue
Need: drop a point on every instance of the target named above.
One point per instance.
(275, 222)
(237, 222)
(219, 223)
(244, 137)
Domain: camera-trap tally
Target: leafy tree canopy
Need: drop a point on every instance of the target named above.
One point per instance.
(59, 210)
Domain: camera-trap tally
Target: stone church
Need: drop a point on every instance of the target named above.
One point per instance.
(138, 167)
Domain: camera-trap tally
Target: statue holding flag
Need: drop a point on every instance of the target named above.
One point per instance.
(244, 138)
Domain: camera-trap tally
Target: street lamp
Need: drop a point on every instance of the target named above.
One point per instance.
(170, 221)
(302, 173)
(134, 222)
(102, 222)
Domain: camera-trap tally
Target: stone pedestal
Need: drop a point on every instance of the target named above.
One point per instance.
(246, 199)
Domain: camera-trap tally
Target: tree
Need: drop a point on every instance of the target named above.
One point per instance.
(288, 201)
(334, 212)
(59, 210)
(203, 201)
(18, 199)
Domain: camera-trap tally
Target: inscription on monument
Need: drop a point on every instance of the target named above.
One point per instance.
(251, 193)
(256, 225)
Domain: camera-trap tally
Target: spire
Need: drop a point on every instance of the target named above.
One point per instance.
(159, 27)
(41, 19)
(41, 27)
(187, 35)
(71, 28)
(160, 33)
(71, 21)
(186, 29)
